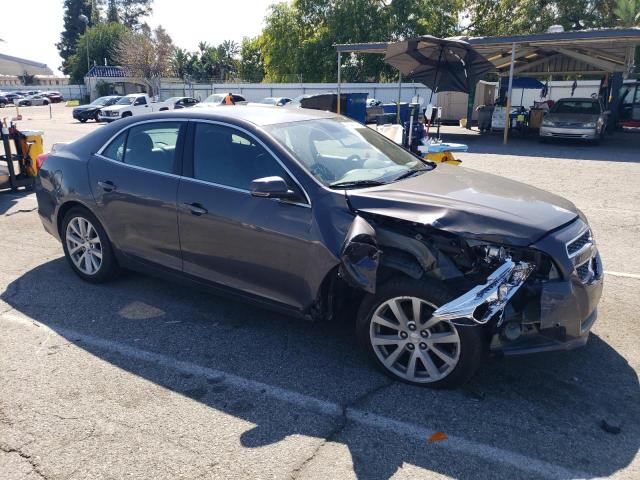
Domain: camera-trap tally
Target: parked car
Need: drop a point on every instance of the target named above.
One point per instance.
(297, 101)
(4, 101)
(313, 214)
(276, 101)
(32, 100)
(140, 104)
(218, 99)
(11, 96)
(92, 110)
(127, 106)
(177, 103)
(578, 118)
(54, 97)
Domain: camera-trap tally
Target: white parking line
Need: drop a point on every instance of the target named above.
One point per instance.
(622, 274)
(358, 416)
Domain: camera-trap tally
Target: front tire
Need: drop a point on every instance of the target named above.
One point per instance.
(397, 330)
(87, 247)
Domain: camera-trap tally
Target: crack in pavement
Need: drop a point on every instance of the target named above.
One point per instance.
(34, 465)
(341, 424)
(22, 210)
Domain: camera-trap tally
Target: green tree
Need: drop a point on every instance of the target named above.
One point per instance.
(72, 29)
(504, 17)
(180, 63)
(627, 12)
(251, 66)
(112, 11)
(131, 12)
(103, 40)
(281, 41)
(298, 38)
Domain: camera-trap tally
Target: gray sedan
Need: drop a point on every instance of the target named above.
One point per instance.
(578, 118)
(315, 215)
(32, 100)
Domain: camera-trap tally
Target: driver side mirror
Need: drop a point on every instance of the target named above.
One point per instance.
(272, 187)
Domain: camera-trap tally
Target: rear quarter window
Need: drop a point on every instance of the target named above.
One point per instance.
(115, 150)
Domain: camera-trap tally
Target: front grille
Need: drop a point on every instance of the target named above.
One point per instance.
(583, 271)
(588, 270)
(574, 246)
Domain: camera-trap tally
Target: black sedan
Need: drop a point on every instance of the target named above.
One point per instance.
(315, 215)
(90, 111)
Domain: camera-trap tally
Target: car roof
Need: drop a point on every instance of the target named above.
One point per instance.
(257, 115)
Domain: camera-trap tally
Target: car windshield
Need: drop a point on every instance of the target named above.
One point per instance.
(576, 107)
(343, 153)
(100, 101)
(215, 98)
(126, 101)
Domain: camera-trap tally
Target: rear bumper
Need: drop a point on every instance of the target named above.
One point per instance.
(578, 133)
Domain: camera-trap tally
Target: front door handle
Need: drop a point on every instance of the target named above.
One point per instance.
(195, 208)
(107, 185)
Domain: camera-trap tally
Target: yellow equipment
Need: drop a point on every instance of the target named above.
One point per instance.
(443, 157)
(31, 146)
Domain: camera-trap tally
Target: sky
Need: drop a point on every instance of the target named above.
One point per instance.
(187, 21)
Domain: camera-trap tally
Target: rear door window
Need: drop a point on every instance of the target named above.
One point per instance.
(153, 146)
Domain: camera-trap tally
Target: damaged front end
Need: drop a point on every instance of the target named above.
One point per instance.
(484, 302)
(527, 299)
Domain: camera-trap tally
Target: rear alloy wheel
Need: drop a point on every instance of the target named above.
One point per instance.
(398, 329)
(87, 247)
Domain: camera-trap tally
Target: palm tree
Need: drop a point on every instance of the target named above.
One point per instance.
(180, 62)
(628, 12)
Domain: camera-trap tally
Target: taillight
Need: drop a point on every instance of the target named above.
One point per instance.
(41, 159)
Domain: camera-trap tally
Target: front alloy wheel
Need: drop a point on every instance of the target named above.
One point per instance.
(84, 245)
(411, 343)
(397, 328)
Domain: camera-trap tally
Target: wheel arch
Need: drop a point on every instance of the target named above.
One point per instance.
(64, 209)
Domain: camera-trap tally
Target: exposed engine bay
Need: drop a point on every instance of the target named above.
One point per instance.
(513, 291)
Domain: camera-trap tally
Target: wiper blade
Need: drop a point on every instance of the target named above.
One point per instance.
(357, 183)
(411, 173)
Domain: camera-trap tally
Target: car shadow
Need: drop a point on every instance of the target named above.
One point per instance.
(547, 407)
(620, 146)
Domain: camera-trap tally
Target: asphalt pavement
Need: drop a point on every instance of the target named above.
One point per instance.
(143, 378)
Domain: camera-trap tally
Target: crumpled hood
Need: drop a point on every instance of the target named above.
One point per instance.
(468, 202)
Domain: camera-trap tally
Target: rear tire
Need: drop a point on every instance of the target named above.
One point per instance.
(418, 351)
(83, 120)
(87, 246)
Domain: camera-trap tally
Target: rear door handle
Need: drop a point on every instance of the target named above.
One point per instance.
(195, 208)
(107, 185)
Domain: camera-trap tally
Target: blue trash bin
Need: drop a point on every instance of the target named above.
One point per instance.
(356, 106)
(404, 110)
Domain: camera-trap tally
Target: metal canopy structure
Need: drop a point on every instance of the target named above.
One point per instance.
(609, 51)
(584, 52)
